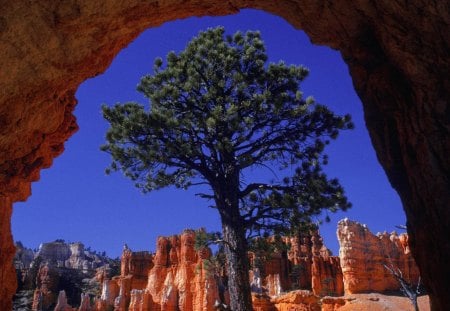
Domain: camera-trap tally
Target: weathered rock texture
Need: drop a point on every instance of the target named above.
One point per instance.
(297, 300)
(58, 266)
(70, 255)
(7, 251)
(308, 264)
(397, 53)
(302, 300)
(23, 256)
(323, 271)
(62, 304)
(363, 256)
(178, 277)
(372, 302)
(47, 283)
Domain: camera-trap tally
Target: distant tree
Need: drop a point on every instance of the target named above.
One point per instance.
(217, 113)
(408, 289)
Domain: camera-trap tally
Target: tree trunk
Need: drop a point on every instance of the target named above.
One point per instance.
(235, 244)
(238, 265)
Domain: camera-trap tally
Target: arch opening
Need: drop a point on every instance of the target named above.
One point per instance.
(77, 188)
(104, 212)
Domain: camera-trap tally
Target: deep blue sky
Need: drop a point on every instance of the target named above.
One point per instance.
(76, 201)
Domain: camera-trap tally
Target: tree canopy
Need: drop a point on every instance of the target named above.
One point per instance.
(217, 113)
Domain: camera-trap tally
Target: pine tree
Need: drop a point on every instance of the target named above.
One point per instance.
(216, 112)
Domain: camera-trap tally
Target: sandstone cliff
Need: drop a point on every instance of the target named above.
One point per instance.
(69, 255)
(363, 256)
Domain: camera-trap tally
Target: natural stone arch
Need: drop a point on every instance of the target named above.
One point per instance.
(397, 53)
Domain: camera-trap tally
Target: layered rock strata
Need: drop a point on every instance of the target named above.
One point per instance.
(54, 267)
(69, 255)
(299, 300)
(363, 256)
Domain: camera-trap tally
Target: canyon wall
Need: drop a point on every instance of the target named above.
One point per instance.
(397, 53)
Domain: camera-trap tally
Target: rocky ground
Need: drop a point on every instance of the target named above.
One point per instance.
(380, 302)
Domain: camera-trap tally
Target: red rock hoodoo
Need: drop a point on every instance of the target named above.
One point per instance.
(175, 278)
(363, 256)
(182, 278)
(300, 275)
(308, 264)
(397, 53)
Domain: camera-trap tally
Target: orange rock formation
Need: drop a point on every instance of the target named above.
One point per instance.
(300, 300)
(46, 291)
(176, 278)
(363, 256)
(179, 278)
(308, 264)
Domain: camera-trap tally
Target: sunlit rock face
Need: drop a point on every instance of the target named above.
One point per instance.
(363, 256)
(397, 54)
(182, 278)
(179, 277)
(307, 264)
(133, 278)
(175, 278)
(297, 300)
(69, 255)
(46, 293)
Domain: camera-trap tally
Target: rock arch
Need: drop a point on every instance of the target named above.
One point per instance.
(397, 53)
